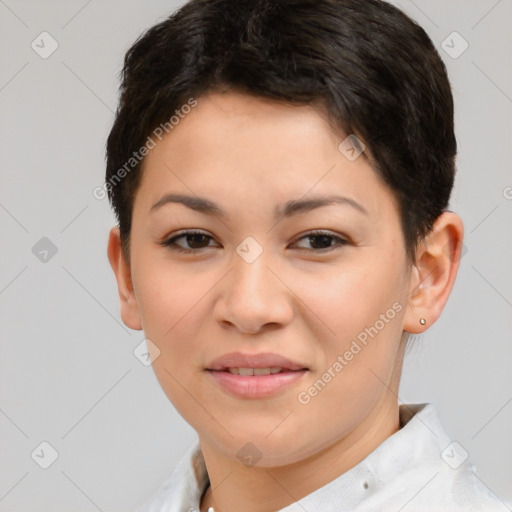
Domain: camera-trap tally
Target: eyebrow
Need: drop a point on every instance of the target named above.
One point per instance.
(292, 207)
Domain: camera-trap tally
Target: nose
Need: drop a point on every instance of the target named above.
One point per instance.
(254, 297)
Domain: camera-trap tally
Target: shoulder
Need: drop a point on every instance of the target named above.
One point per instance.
(435, 487)
(182, 491)
(159, 499)
(434, 473)
(454, 487)
(470, 493)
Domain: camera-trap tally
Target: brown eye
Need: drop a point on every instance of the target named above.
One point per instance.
(194, 241)
(322, 240)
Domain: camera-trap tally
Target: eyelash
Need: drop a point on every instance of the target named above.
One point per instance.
(170, 242)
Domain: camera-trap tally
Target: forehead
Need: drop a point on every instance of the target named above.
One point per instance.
(233, 144)
(233, 122)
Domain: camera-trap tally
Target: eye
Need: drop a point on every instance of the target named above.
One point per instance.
(322, 241)
(196, 240)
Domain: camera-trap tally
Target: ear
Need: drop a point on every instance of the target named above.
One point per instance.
(433, 275)
(129, 307)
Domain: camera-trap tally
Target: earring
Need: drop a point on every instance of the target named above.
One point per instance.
(423, 321)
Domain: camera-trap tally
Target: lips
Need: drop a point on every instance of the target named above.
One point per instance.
(263, 360)
(255, 376)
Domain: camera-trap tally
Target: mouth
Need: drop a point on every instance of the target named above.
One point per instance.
(248, 371)
(261, 375)
(256, 383)
(262, 363)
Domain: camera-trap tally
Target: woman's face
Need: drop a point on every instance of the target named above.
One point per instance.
(254, 282)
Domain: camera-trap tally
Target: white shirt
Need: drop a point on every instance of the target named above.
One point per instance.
(417, 469)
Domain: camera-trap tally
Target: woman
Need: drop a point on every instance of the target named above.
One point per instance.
(281, 172)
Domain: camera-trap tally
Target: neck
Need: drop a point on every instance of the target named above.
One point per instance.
(259, 489)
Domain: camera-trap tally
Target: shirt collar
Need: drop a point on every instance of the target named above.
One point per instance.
(420, 438)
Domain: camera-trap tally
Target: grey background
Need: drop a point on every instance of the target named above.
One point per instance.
(68, 375)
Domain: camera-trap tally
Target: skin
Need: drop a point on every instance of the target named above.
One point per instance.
(249, 155)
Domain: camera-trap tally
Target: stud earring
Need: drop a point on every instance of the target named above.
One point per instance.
(423, 321)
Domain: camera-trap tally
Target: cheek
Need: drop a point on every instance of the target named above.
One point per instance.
(355, 362)
(173, 304)
(358, 315)
(167, 295)
(349, 297)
